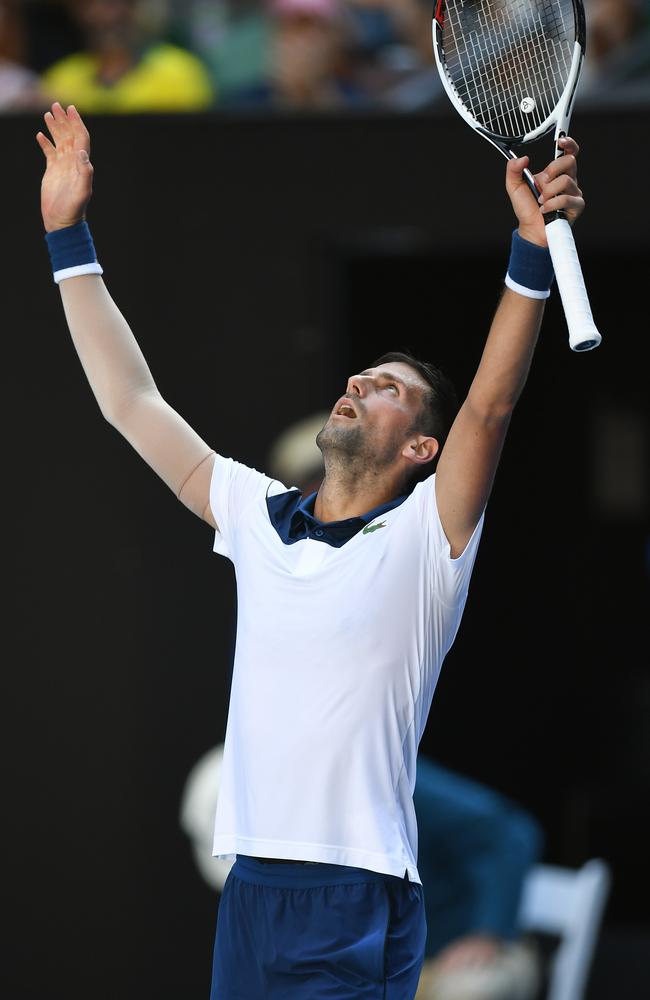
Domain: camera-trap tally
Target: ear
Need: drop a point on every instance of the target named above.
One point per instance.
(420, 450)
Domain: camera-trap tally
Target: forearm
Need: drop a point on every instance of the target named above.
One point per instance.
(124, 386)
(507, 355)
(513, 335)
(114, 364)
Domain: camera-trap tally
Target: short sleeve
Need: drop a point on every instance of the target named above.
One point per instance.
(451, 576)
(235, 488)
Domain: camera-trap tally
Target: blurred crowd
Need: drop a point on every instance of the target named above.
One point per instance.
(110, 56)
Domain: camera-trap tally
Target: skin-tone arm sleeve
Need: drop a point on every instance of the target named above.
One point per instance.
(128, 397)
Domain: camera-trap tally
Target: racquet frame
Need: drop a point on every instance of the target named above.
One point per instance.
(583, 335)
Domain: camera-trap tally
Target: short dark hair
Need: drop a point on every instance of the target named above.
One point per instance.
(439, 404)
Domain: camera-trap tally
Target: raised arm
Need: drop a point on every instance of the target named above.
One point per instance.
(114, 365)
(469, 459)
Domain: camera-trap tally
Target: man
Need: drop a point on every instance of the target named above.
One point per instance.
(124, 67)
(348, 602)
(475, 846)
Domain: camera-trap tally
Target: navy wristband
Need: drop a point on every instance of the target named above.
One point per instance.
(72, 252)
(530, 269)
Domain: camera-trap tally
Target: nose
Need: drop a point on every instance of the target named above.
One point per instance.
(358, 385)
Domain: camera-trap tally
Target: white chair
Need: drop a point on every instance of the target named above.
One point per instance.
(568, 904)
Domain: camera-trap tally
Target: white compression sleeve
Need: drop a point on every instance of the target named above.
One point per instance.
(128, 396)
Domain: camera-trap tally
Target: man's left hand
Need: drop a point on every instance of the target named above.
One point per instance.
(558, 185)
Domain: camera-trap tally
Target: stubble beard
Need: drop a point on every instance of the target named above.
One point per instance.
(348, 451)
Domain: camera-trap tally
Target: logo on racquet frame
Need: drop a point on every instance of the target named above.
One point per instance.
(440, 13)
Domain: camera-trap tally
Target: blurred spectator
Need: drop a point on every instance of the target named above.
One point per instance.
(300, 59)
(342, 53)
(475, 848)
(611, 24)
(618, 49)
(273, 53)
(20, 87)
(293, 54)
(124, 67)
(308, 55)
(233, 39)
(391, 42)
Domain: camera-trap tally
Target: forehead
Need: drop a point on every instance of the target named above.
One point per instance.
(412, 379)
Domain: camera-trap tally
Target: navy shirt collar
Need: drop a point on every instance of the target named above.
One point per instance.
(293, 518)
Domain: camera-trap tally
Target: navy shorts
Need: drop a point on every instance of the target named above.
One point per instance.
(292, 931)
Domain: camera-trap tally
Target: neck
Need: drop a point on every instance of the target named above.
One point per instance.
(345, 493)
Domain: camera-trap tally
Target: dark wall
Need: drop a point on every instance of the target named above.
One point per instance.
(259, 261)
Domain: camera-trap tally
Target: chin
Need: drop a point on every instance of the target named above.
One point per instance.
(336, 436)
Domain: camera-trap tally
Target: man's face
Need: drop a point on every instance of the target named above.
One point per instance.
(374, 418)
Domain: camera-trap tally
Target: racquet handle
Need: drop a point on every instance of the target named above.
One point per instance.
(583, 335)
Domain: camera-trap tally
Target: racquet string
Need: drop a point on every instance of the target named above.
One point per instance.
(508, 60)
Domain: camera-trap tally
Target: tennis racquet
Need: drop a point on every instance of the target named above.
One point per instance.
(511, 69)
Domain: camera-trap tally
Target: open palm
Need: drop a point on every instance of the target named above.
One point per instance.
(67, 182)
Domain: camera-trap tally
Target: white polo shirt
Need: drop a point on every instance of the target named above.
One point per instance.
(338, 652)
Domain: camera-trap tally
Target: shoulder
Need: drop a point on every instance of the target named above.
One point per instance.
(425, 508)
(183, 71)
(174, 58)
(79, 64)
(241, 482)
(235, 492)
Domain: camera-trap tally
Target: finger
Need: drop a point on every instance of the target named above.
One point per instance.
(517, 166)
(80, 133)
(45, 144)
(561, 185)
(59, 113)
(565, 164)
(569, 145)
(50, 124)
(83, 161)
(57, 122)
(515, 173)
(573, 205)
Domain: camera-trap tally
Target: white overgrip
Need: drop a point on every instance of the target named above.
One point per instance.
(583, 335)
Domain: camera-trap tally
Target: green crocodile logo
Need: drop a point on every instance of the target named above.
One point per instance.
(373, 527)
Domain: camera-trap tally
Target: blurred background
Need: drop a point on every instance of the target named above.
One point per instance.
(187, 55)
(282, 194)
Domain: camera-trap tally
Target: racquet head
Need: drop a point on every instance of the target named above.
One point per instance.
(510, 67)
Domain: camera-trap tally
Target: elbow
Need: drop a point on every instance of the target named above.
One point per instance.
(492, 413)
(108, 414)
(113, 412)
(118, 409)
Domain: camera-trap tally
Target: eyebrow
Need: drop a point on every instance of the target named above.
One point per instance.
(387, 376)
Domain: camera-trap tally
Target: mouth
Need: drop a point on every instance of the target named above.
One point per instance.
(345, 409)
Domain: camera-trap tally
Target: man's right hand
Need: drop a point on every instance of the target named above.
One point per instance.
(68, 180)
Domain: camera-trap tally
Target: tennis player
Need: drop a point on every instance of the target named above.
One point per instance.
(348, 601)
